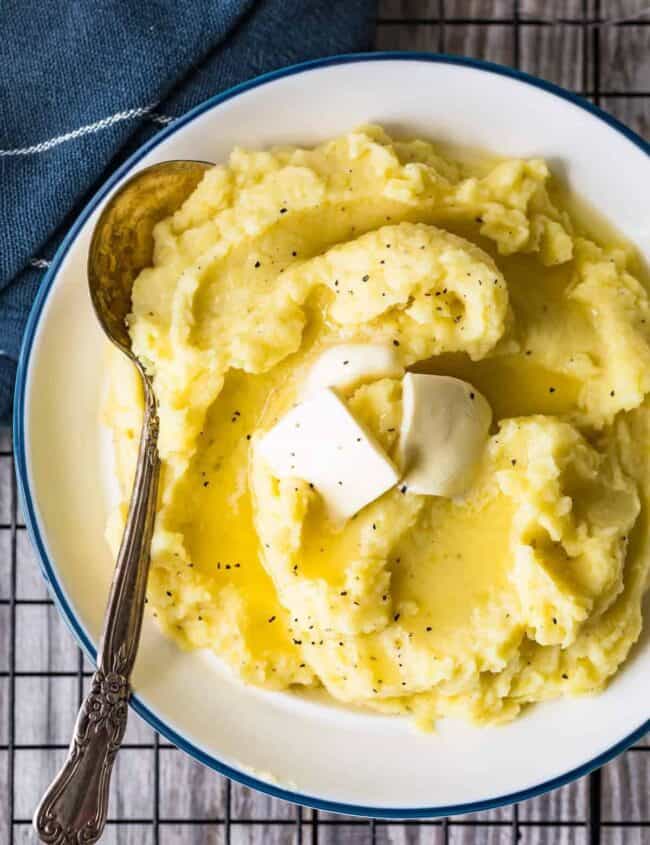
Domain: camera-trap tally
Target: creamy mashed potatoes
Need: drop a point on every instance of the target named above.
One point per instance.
(526, 588)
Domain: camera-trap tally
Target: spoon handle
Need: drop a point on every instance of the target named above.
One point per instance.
(74, 808)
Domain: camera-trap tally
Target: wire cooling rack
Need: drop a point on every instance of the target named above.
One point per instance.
(159, 795)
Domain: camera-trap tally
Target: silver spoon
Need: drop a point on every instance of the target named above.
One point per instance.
(73, 810)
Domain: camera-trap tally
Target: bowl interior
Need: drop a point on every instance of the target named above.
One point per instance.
(314, 751)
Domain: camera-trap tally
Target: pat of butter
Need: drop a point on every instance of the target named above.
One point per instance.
(445, 424)
(350, 364)
(320, 442)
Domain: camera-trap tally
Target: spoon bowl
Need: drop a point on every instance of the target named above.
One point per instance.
(122, 242)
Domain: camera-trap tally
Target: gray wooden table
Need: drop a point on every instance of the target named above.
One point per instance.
(160, 796)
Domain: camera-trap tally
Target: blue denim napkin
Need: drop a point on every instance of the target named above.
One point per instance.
(84, 82)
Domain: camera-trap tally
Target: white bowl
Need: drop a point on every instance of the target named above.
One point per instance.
(304, 750)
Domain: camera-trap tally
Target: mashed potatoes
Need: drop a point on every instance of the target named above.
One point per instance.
(526, 588)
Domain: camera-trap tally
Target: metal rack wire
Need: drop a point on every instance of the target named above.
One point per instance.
(185, 803)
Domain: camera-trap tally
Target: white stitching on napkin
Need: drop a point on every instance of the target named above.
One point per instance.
(89, 129)
(164, 119)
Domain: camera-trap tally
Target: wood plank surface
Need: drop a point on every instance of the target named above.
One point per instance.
(607, 58)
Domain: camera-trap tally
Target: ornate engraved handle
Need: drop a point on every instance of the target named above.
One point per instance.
(73, 810)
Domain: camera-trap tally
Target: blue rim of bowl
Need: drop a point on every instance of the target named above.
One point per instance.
(47, 567)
